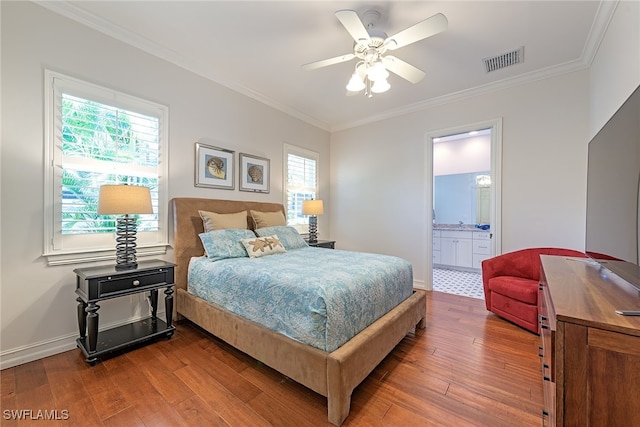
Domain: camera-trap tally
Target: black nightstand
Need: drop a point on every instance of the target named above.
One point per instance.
(95, 284)
(329, 244)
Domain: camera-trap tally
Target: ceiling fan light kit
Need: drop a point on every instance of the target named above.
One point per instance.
(380, 86)
(371, 77)
(355, 83)
(370, 45)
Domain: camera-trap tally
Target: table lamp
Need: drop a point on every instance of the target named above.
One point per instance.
(125, 200)
(312, 208)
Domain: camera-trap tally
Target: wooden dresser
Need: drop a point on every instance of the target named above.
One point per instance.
(590, 355)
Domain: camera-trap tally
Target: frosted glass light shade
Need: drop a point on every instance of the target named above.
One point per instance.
(355, 83)
(124, 199)
(377, 72)
(380, 86)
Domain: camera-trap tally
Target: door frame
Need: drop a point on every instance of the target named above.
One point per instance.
(496, 186)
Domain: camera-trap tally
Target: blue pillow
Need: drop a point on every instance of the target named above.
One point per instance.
(288, 236)
(221, 244)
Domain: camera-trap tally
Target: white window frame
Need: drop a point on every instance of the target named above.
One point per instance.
(96, 247)
(302, 152)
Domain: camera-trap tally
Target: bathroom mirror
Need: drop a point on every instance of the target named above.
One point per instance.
(463, 197)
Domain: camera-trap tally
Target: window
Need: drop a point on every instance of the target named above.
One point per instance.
(98, 136)
(301, 172)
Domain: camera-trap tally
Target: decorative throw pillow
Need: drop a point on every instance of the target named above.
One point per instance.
(221, 244)
(261, 246)
(217, 221)
(288, 236)
(268, 219)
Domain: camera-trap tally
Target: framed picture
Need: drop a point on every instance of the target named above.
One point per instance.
(214, 167)
(254, 174)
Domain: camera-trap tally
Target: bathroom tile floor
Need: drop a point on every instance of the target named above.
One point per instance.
(458, 282)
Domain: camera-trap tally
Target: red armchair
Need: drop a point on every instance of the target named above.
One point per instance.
(511, 281)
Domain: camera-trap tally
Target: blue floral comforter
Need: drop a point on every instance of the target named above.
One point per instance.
(317, 296)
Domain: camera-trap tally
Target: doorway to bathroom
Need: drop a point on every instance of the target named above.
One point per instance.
(464, 226)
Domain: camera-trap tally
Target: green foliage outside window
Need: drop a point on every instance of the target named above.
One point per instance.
(97, 140)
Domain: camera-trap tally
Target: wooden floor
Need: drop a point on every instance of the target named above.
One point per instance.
(468, 368)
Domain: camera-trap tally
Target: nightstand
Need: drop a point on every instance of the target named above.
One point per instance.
(329, 244)
(95, 284)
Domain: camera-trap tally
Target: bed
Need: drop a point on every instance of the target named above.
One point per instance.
(333, 374)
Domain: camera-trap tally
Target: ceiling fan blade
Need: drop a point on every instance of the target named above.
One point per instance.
(353, 25)
(330, 61)
(403, 69)
(427, 28)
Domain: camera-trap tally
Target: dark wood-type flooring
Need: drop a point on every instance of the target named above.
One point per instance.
(468, 368)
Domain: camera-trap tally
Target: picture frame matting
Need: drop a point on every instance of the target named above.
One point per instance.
(255, 173)
(214, 167)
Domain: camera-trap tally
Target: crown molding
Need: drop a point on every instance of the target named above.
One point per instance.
(603, 17)
(521, 79)
(597, 32)
(601, 21)
(79, 15)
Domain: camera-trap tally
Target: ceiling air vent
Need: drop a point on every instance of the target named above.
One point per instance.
(505, 60)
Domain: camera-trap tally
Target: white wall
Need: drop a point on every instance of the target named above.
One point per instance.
(471, 154)
(377, 170)
(615, 71)
(38, 302)
(378, 184)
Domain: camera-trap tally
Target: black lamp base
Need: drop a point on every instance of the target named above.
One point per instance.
(313, 229)
(130, 266)
(126, 243)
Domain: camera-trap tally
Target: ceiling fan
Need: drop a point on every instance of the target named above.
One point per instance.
(371, 46)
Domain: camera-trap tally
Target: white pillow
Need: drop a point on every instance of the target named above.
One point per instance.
(261, 246)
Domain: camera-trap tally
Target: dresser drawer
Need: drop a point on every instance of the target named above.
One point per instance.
(477, 260)
(112, 287)
(481, 247)
(96, 283)
(481, 235)
(456, 234)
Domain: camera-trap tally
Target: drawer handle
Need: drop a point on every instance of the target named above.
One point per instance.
(136, 282)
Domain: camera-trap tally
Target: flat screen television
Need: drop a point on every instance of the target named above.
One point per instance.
(613, 193)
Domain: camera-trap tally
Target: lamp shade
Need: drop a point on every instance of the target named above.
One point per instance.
(312, 207)
(124, 199)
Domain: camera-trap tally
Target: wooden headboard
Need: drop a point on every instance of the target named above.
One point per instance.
(187, 224)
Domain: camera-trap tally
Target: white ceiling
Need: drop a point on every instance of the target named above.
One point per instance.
(257, 47)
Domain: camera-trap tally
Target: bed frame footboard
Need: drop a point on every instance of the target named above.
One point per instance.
(334, 375)
(349, 365)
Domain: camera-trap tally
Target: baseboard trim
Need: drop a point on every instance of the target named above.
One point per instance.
(40, 350)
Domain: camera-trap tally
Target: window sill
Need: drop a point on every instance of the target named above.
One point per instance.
(65, 258)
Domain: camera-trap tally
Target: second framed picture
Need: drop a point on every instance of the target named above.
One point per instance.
(254, 173)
